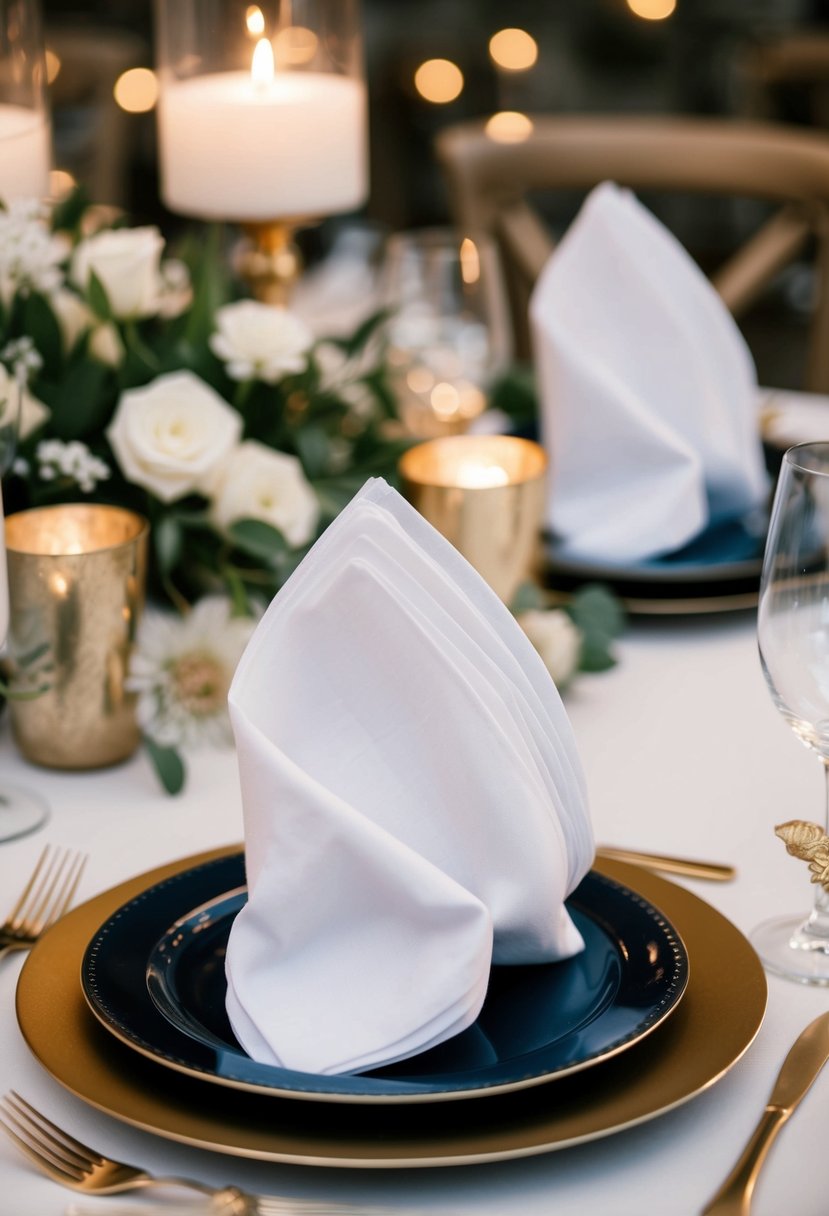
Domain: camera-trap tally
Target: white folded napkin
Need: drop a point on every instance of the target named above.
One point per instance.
(647, 389)
(414, 805)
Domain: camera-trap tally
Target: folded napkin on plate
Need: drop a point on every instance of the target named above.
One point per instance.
(648, 391)
(414, 805)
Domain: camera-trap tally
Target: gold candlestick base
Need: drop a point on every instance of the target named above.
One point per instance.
(269, 260)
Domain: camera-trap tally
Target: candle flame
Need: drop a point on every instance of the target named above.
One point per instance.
(255, 21)
(474, 475)
(261, 67)
(470, 261)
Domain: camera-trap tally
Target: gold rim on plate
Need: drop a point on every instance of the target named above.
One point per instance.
(727, 988)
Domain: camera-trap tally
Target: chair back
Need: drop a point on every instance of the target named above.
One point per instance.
(489, 183)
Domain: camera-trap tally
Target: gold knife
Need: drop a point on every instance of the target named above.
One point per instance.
(800, 1067)
(713, 871)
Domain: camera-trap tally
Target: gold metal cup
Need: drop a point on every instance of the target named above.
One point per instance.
(76, 587)
(485, 494)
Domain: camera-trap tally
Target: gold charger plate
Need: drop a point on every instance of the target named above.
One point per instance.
(727, 989)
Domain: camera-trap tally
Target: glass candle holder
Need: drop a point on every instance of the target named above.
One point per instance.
(262, 108)
(485, 494)
(76, 590)
(25, 133)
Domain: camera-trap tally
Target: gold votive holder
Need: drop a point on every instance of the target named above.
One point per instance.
(485, 494)
(77, 577)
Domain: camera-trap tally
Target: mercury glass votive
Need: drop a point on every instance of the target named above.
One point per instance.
(485, 494)
(76, 588)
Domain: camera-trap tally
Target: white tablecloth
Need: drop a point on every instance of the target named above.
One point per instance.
(684, 753)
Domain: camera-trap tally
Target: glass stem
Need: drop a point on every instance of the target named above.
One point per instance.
(818, 922)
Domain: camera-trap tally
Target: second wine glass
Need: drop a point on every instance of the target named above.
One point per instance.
(448, 328)
(793, 636)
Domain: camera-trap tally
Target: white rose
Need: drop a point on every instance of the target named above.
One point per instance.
(259, 483)
(106, 346)
(556, 639)
(172, 435)
(33, 413)
(75, 318)
(260, 341)
(128, 263)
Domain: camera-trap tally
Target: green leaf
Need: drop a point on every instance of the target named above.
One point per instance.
(528, 598)
(364, 331)
(168, 765)
(97, 298)
(595, 657)
(314, 449)
(68, 213)
(41, 325)
(211, 284)
(79, 402)
(596, 610)
(259, 540)
(516, 394)
(601, 618)
(168, 541)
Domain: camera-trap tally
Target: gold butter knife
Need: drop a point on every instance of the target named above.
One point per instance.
(800, 1067)
(711, 870)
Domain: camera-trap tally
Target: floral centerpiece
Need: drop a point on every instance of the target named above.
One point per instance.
(149, 383)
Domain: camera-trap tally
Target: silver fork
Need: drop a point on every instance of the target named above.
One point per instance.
(44, 899)
(73, 1164)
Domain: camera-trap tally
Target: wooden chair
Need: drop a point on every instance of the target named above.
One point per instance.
(489, 184)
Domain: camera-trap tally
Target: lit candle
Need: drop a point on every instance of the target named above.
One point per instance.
(264, 144)
(485, 494)
(24, 153)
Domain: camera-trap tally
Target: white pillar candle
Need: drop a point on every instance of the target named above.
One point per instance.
(24, 153)
(235, 148)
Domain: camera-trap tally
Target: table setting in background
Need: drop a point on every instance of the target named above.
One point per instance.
(479, 895)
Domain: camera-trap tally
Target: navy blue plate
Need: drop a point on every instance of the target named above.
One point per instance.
(154, 976)
(724, 560)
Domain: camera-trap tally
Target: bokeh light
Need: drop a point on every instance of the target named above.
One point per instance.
(513, 50)
(439, 81)
(136, 90)
(509, 127)
(652, 10)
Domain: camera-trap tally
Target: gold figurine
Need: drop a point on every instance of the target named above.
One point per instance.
(809, 842)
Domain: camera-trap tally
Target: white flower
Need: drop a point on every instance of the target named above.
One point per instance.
(127, 261)
(23, 357)
(75, 318)
(105, 345)
(556, 638)
(33, 413)
(181, 669)
(72, 460)
(259, 483)
(260, 341)
(172, 435)
(176, 288)
(30, 254)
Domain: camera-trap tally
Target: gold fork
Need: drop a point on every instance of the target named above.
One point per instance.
(66, 1160)
(44, 899)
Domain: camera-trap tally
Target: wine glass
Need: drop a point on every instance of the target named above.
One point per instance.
(448, 328)
(793, 635)
(21, 811)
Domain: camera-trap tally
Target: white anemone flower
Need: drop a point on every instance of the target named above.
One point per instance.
(260, 341)
(181, 670)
